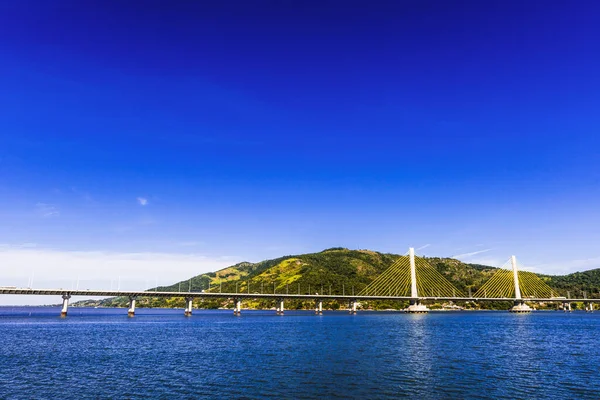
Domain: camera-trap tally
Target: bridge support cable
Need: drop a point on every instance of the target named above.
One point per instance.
(502, 285)
(412, 277)
(399, 283)
(515, 284)
(533, 286)
(429, 278)
(393, 281)
(65, 305)
(396, 274)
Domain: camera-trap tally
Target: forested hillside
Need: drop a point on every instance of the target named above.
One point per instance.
(340, 271)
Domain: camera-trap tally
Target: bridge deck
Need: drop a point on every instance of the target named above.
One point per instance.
(203, 295)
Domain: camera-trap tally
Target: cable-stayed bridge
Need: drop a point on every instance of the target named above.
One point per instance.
(410, 278)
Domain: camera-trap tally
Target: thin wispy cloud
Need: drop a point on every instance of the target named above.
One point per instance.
(83, 194)
(489, 261)
(142, 201)
(564, 267)
(471, 254)
(47, 210)
(190, 244)
(18, 246)
(423, 247)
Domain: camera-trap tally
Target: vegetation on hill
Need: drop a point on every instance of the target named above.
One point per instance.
(337, 271)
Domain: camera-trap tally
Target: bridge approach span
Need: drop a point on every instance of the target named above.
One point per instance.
(66, 294)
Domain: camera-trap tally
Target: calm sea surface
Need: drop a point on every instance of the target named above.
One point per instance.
(160, 354)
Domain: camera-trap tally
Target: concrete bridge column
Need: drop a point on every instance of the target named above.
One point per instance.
(131, 311)
(591, 307)
(416, 307)
(319, 307)
(520, 307)
(280, 307)
(352, 308)
(237, 307)
(65, 306)
(189, 305)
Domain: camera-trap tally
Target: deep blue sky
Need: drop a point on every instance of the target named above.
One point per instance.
(260, 128)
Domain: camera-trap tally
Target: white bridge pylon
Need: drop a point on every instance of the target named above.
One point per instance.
(513, 261)
(415, 305)
(520, 306)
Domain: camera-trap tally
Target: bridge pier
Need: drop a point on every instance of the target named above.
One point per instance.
(319, 307)
(567, 307)
(520, 307)
(352, 308)
(65, 306)
(416, 307)
(131, 311)
(237, 307)
(280, 307)
(591, 307)
(189, 305)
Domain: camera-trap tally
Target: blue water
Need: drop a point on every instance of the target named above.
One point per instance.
(160, 354)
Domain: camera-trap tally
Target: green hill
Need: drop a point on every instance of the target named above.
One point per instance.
(338, 271)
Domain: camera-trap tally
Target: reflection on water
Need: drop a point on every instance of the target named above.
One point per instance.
(160, 354)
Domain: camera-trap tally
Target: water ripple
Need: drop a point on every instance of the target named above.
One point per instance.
(159, 354)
